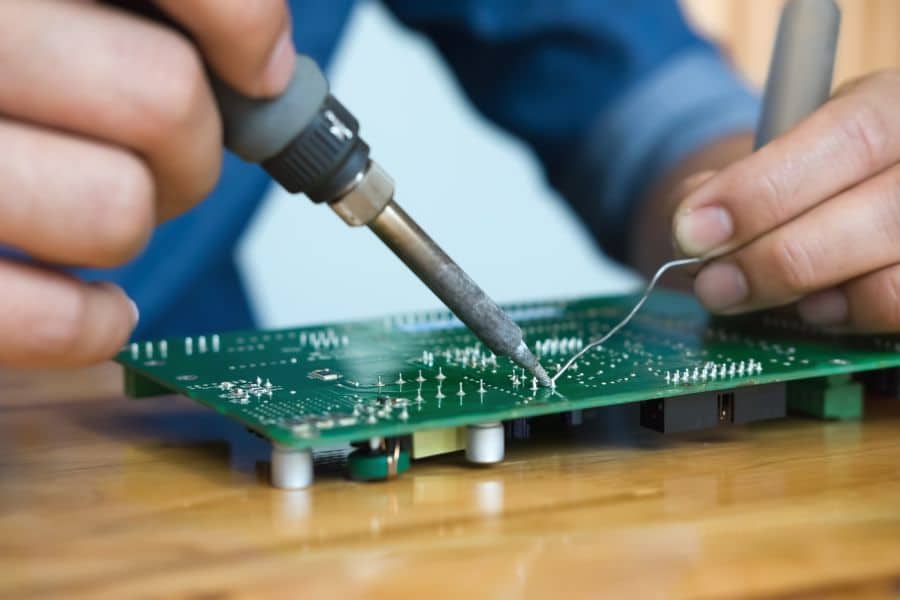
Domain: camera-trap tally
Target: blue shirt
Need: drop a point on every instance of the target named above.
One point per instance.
(608, 94)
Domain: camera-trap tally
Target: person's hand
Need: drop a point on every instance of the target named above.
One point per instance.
(108, 125)
(813, 217)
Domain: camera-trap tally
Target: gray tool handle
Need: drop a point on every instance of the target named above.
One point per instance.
(307, 140)
(257, 130)
(802, 66)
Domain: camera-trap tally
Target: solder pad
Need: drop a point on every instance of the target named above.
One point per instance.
(339, 382)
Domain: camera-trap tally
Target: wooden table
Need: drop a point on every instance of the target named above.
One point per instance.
(102, 496)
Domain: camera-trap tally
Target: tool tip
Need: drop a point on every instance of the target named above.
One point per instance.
(542, 376)
(524, 357)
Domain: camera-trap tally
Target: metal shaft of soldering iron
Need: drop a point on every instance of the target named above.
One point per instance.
(456, 289)
(309, 142)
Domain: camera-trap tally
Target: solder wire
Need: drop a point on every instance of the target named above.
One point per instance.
(598, 341)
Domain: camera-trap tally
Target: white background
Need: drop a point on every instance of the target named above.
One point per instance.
(477, 191)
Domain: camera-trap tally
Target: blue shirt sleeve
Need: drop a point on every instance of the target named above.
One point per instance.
(608, 93)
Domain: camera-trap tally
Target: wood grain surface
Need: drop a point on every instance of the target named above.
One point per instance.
(102, 496)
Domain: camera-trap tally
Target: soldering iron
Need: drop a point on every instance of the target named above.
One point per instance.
(309, 143)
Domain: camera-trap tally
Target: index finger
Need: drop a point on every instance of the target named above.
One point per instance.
(247, 42)
(851, 137)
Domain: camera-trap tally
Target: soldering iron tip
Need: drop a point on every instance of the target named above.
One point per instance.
(524, 357)
(542, 376)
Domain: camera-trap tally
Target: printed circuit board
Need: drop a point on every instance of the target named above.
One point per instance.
(346, 382)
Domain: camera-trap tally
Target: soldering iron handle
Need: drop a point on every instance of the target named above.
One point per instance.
(801, 68)
(257, 130)
(307, 140)
(304, 137)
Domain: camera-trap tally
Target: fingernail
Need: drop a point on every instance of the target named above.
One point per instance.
(135, 311)
(829, 307)
(702, 230)
(280, 67)
(721, 286)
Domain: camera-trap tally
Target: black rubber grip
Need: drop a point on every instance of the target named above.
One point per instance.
(325, 158)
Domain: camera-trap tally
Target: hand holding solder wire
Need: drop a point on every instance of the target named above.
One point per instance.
(813, 216)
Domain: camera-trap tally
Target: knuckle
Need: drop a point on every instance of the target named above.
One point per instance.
(760, 196)
(867, 133)
(250, 19)
(179, 92)
(125, 214)
(794, 265)
(770, 198)
(190, 184)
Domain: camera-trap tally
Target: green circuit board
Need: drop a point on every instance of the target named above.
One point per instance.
(340, 382)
